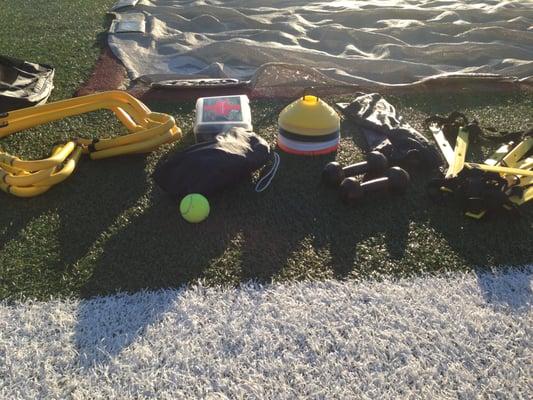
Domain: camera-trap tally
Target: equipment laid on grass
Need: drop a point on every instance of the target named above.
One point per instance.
(352, 191)
(23, 84)
(210, 167)
(308, 126)
(215, 115)
(384, 131)
(194, 208)
(148, 130)
(391, 142)
(333, 173)
(504, 181)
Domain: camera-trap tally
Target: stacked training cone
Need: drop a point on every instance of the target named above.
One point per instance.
(308, 126)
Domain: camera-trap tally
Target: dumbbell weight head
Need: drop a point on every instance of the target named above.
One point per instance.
(334, 173)
(376, 162)
(351, 191)
(399, 179)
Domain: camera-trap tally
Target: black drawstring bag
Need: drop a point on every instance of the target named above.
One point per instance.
(23, 84)
(386, 132)
(209, 167)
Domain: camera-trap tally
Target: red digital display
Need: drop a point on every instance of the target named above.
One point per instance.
(222, 107)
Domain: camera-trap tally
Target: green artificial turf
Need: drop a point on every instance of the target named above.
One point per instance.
(67, 34)
(108, 228)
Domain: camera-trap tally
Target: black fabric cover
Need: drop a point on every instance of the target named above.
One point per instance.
(209, 167)
(385, 132)
(23, 84)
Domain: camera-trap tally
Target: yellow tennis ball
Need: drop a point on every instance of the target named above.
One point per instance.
(194, 208)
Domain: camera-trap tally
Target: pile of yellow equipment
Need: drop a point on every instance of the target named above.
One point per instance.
(505, 179)
(147, 131)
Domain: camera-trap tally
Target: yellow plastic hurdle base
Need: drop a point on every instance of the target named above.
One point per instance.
(28, 178)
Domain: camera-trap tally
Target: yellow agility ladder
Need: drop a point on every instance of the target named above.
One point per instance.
(148, 130)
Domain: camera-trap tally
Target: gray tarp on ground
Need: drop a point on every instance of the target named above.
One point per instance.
(382, 41)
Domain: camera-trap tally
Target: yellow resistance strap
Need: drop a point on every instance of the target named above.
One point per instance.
(28, 178)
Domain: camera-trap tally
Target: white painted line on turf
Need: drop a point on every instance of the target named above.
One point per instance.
(455, 336)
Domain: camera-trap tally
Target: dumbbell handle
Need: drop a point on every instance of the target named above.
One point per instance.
(356, 169)
(376, 184)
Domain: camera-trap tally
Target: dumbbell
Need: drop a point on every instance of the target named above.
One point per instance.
(396, 179)
(333, 173)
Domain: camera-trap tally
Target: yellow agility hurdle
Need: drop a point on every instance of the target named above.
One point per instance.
(515, 167)
(28, 178)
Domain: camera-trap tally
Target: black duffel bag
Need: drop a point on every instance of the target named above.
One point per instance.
(209, 167)
(23, 84)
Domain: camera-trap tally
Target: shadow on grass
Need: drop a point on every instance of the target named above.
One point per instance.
(46, 236)
(502, 289)
(158, 249)
(262, 232)
(248, 236)
(101, 37)
(106, 326)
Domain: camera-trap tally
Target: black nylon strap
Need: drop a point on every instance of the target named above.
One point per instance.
(308, 138)
(92, 147)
